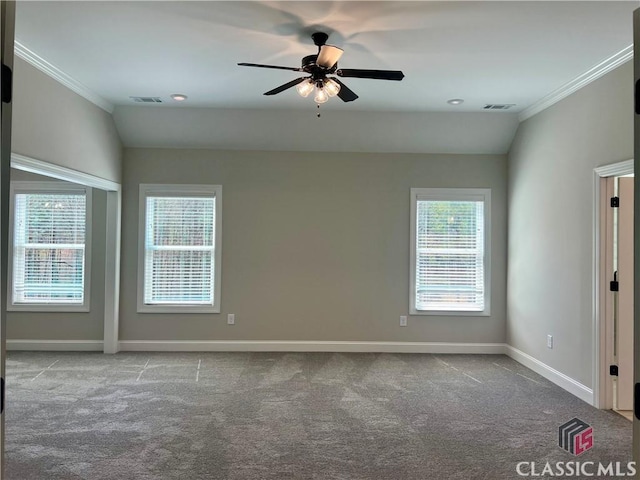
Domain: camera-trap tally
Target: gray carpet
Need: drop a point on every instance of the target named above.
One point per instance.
(288, 416)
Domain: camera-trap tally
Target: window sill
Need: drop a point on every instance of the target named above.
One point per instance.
(48, 308)
(195, 309)
(450, 313)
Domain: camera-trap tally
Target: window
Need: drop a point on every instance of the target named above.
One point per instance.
(49, 241)
(450, 251)
(179, 254)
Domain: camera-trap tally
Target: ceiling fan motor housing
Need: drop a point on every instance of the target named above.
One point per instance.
(308, 62)
(309, 65)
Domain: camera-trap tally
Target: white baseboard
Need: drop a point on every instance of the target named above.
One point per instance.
(56, 345)
(307, 346)
(569, 384)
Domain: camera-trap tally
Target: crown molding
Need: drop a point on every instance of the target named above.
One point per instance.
(577, 83)
(54, 72)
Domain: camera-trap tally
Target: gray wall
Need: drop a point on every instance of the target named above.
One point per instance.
(551, 166)
(338, 130)
(54, 124)
(68, 325)
(314, 246)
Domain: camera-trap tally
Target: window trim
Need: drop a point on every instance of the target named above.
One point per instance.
(172, 190)
(19, 187)
(451, 194)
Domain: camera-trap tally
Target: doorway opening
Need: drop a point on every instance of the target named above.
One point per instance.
(109, 217)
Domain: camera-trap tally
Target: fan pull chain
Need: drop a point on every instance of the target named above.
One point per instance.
(318, 115)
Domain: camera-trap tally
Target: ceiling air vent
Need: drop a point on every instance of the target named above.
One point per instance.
(499, 106)
(146, 99)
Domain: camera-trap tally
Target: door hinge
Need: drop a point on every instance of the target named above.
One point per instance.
(7, 84)
(614, 286)
(613, 370)
(615, 202)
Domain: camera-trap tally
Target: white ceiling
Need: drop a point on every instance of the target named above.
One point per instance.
(485, 52)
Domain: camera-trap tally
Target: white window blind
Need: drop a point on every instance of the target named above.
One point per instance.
(179, 250)
(49, 236)
(449, 257)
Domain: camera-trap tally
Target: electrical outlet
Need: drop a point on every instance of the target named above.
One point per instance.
(549, 341)
(231, 319)
(403, 320)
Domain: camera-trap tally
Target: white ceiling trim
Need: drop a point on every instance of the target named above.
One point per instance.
(58, 75)
(577, 83)
(32, 165)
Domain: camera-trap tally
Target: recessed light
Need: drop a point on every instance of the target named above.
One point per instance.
(179, 97)
(455, 101)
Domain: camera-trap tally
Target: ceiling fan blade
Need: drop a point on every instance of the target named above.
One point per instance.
(287, 85)
(270, 66)
(328, 56)
(375, 74)
(345, 93)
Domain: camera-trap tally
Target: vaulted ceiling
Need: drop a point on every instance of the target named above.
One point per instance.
(483, 52)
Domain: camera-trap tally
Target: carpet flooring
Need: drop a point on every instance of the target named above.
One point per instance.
(246, 416)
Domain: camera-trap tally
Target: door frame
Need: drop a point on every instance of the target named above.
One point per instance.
(7, 34)
(602, 388)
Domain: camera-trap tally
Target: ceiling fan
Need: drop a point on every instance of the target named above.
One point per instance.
(319, 66)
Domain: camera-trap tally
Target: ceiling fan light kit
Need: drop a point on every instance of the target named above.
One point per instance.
(318, 67)
(305, 88)
(321, 95)
(332, 87)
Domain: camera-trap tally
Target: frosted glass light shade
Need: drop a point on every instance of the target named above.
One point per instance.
(332, 87)
(328, 56)
(305, 88)
(321, 95)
